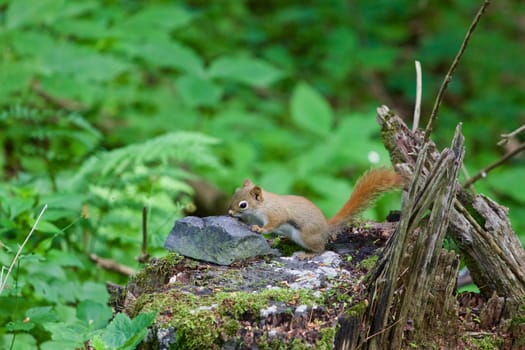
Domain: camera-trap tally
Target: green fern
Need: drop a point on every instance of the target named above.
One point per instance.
(46, 140)
(182, 148)
(118, 184)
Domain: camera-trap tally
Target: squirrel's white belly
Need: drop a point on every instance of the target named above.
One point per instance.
(291, 232)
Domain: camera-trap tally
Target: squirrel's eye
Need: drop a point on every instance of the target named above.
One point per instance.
(243, 204)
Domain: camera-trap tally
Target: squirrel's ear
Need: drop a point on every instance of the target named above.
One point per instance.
(247, 183)
(256, 193)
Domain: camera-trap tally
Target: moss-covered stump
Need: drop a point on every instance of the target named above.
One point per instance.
(267, 303)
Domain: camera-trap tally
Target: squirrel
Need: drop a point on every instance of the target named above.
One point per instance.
(298, 218)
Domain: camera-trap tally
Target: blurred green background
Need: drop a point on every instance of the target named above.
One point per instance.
(107, 107)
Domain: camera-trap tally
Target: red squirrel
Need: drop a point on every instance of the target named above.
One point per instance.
(298, 218)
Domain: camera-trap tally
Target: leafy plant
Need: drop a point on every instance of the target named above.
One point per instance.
(123, 333)
(109, 107)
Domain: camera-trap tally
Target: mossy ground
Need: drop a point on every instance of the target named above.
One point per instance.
(209, 305)
(251, 303)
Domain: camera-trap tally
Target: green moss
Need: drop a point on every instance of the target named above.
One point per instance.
(239, 303)
(286, 246)
(266, 343)
(156, 273)
(357, 309)
(517, 322)
(230, 327)
(207, 321)
(196, 329)
(487, 342)
(339, 293)
(327, 338)
(369, 262)
(298, 344)
(194, 323)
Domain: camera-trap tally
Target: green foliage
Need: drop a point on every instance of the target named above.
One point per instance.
(109, 107)
(123, 333)
(207, 321)
(310, 111)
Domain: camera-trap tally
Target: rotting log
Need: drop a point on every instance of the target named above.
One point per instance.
(411, 291)
(480, 227)
(413, 283)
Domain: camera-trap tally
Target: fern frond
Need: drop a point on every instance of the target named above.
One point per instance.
(167, 150)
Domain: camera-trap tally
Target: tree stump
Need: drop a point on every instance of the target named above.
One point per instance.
(411, 291)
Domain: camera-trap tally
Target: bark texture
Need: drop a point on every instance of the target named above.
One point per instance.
(479, 226)
(411, 296)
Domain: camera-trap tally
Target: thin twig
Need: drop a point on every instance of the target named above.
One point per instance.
(111, 265)
(144, 230)
(4, 281)
(452, 68)
(417, 107)
(483, 172)
(505, 137)
(376, 334)
(144, 256)
(66, 104)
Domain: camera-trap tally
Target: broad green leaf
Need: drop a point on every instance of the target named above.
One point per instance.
(196, 91)
(15, 77)
(250, 71)
(23, 341)
(381, 57)
(96, 315)
(92, 291)
(61, 344)
(74, 334)
(124, 333)
(48, 227)
(18, 205)
(41, 314)
(44, 269)
(45, 244)
(81, 63)
(55, 291)
(316, 157)
(66, 313)
(367, 149)
(64, 258)
(31, 43)
(68, 87)
(59, 201)
(164, 53)
(77, 8)
(154, 18)
(19, 326)
(310, 111)
(509, 181)
(23, 12)
(278, 179)
(340, 47)
(335, 192)
(82, 28)
(98, 343)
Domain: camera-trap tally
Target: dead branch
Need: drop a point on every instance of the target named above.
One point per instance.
(448, 77)
(484, 172)
(112, 265)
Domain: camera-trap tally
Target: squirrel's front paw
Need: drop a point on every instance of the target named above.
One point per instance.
(257, 228)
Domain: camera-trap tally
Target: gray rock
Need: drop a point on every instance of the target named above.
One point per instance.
(217, 239)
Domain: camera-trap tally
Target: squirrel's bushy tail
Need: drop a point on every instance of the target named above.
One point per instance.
(368, 188)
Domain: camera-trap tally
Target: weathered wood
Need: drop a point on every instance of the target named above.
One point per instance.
(411, 296)
(410, 282)
(479, 226)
